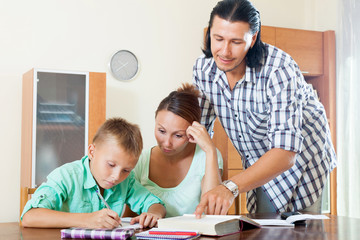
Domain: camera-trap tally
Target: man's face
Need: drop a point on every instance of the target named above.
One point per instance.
(230, 42)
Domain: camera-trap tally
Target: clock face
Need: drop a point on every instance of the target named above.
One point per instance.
(124, 65)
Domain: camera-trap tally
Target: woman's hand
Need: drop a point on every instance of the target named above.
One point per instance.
(198, 134)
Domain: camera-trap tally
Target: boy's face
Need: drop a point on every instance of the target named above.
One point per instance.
(109, 163)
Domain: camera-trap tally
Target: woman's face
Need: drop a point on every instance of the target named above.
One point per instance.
(170, 132)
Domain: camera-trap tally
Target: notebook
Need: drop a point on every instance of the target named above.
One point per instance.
(125, 231)
(85, 233)
(166, 234)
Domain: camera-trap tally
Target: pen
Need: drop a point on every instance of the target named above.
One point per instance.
(105, 203)
(173, 233)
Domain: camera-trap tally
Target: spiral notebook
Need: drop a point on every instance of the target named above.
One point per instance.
(167, 234)
(125, 231)
(84, 233)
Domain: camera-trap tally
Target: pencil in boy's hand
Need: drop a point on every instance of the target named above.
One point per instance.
(105, 203)
(103, 200)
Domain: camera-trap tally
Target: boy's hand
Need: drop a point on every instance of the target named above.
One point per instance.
(104, 218)
(146, 220)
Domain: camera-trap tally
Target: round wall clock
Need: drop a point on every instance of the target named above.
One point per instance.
(124, 65)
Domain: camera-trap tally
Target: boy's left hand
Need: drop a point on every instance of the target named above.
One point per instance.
(146, 220)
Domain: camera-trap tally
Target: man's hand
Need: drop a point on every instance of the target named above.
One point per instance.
(215, 202)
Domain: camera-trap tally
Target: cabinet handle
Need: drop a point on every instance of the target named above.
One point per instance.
(305, 72)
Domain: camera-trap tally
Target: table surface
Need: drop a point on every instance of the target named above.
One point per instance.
(334, 228)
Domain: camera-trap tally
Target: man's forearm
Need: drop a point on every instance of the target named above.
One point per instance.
(270, 165)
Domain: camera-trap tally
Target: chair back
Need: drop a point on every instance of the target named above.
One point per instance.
(25, 195)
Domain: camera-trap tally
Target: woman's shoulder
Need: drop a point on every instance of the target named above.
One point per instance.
(142, 165)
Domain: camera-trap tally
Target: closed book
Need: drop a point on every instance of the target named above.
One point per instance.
(155, 233)
(85, 233)
(212, 225)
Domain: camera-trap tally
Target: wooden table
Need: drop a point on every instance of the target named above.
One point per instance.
(334, 228)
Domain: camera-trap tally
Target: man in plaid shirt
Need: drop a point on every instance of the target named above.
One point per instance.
(271, 115)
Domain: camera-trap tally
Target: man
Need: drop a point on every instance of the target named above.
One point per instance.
(268, 111)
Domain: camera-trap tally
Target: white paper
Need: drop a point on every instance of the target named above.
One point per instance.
(125, 222)
(301, 217)
(273, 223)
(289, 222)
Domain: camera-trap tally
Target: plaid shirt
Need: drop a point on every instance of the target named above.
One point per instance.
(271, 108)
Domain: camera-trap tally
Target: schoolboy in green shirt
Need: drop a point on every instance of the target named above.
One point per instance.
(69, 197)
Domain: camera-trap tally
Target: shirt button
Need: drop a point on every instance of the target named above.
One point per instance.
(240, 136)
(247, 156)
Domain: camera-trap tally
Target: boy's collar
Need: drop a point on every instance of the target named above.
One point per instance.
(89, 181)
(89, 178)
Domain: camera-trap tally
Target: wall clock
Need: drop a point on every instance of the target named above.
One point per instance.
(124, 65)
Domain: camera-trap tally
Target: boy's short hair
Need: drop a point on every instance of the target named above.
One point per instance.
(126, 134)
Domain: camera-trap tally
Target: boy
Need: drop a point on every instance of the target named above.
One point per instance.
(70, 197)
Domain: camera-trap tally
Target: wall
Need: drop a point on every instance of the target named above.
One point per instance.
(82, 35)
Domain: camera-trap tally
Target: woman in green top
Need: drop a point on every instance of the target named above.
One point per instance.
(185, 163)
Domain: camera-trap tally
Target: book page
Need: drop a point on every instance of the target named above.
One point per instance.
(302, 217)
(273, 223)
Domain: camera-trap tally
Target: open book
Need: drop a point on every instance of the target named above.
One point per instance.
(290, 221)
(213, 225)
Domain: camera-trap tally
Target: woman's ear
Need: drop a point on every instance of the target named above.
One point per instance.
(91, 150)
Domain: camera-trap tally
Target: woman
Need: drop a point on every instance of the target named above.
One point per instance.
(185, 164)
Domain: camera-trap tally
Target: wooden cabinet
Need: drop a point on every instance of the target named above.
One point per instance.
(305, 47)
(61, 112)
(315, 54)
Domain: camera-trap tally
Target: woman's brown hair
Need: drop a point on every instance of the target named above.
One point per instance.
(182, 102)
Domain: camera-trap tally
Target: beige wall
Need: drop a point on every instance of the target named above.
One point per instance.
(82, 35)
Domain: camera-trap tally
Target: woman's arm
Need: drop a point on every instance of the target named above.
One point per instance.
(47, 218)
(198, 134)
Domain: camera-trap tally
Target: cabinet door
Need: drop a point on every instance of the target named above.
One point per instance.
(268, 35)
(61, 113)
(60, 132)
(305, 47)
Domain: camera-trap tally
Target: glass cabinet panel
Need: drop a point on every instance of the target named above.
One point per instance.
(60, 124)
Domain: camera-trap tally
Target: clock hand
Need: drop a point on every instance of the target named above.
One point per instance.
(123, 65)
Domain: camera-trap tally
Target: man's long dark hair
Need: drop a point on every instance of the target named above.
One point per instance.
(235, 11)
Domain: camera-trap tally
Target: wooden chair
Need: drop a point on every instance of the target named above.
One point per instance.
(25, 195)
